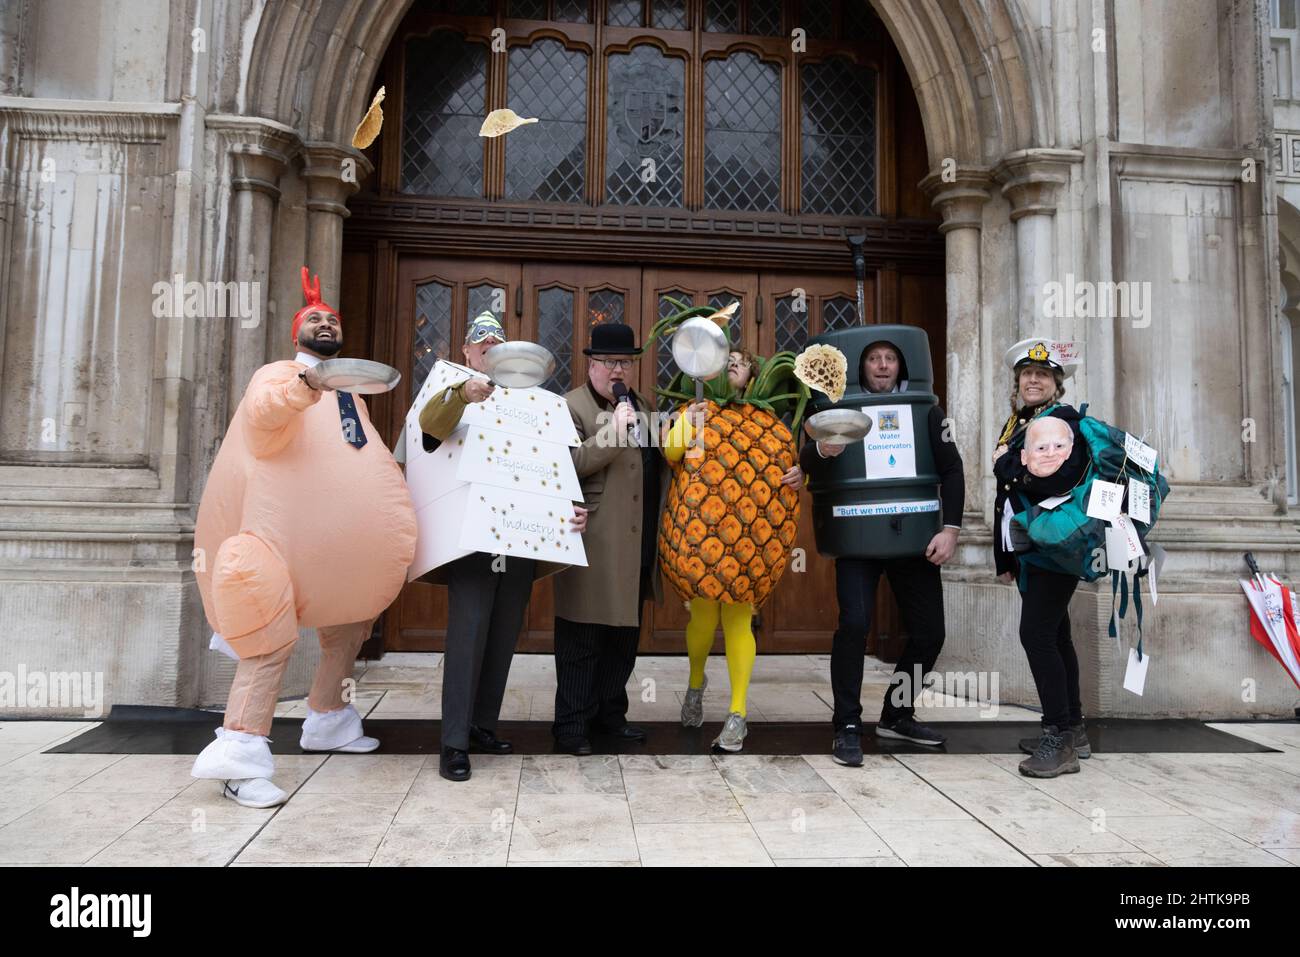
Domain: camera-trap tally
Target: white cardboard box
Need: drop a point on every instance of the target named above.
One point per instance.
(502, 483)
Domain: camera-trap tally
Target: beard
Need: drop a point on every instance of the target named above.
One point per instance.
(324, 347)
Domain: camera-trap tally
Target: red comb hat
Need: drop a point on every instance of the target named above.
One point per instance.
(311, 292)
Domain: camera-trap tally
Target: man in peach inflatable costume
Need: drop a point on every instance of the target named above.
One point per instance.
(305, 521)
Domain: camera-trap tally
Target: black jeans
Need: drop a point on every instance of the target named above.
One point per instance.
(916, 585)
(592, 665)
(1045, 635)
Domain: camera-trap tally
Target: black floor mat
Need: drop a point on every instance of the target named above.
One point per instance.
(150, 730)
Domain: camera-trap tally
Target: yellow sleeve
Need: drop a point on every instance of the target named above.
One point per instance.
(679, 439)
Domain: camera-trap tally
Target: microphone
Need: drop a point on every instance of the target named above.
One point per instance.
(622, 395)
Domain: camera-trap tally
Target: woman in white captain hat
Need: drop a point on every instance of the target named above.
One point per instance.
(1040, 368)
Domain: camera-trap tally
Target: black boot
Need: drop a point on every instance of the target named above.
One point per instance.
(1054, 755)
(454, 764)
(1082, 747)
(486, 742)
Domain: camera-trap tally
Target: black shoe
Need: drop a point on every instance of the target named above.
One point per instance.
(628, 732)
(1082, 746)
(907, 728)
(454, 764)
(573, 744)
(846, 749)
(1054, 755)
(486, 742)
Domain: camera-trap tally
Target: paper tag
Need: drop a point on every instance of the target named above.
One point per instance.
(1135, 675)
(1132, 542)
(1139, 452)
(1116, 549)
(1050, 503)
(1105, 500)
(1139, 501)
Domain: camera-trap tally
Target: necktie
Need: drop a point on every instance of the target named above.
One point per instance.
(353, 434)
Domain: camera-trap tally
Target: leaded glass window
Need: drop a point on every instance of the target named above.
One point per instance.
(791, 323)
(623, 13)
(605, 305)
(722, 16)
(546, 162)
(644, 119)
(765, 18)
(859, 21)
(531, 9)
(839, 313)
(818, 18)
(572, 11)
(444, 106)
(665, 367)
(721, 300)
(486, 298)
(432, 339)
(742, 133)
(838, 138)
(555, 332)
(670, 15)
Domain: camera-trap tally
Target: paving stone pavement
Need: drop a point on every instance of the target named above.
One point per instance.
(644, 810)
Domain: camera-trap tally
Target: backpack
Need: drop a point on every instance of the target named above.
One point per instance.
(1066, 539)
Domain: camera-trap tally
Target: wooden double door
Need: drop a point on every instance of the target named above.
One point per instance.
(557, 304)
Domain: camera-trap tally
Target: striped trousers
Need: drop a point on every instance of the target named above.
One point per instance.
(592, 666)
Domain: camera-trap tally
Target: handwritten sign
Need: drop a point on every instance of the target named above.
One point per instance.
(1141, 454)
(1105, 500)
(1139, 501)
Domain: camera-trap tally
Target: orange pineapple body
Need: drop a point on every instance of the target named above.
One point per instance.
(729, 523)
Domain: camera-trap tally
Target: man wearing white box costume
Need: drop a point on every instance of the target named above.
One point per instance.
(487, 595)
(305, 521)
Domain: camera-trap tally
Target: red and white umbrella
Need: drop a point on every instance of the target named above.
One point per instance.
(1275, 617)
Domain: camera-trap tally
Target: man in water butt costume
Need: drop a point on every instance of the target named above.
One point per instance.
(731, 514)
(305, 522)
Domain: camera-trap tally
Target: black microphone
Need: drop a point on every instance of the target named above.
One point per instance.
(622, 395)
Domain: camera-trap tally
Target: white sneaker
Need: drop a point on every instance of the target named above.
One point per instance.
(732, 738)
(335, 731)
(693, 705)
(237, 755)
(253, 792)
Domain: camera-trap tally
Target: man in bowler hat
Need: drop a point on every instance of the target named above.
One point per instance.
(598, 607)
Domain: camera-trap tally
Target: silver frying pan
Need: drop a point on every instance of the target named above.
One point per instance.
(359, 376)
(839, 426)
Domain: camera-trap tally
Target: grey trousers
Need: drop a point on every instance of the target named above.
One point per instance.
(485, 613)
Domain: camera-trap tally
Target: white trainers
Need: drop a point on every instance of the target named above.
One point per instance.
(733, 733)
(235, 754)
(253, 792)
(335, 731)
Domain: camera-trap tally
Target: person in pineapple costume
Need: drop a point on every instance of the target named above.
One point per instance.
(730, 518)
(305, 521)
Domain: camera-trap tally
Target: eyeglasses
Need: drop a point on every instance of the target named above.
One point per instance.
(612, 364)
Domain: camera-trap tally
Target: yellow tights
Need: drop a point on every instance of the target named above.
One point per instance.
(737, 637)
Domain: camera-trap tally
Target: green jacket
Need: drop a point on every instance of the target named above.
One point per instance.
(442, 413)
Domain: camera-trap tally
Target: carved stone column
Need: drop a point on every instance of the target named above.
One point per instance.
(332, 174)
(960, 197)
(1032, 181)
(260, 150)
